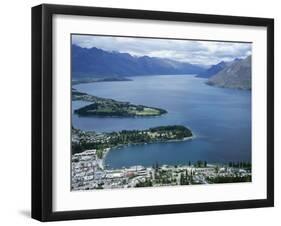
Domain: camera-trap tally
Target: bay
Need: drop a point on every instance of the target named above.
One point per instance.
(220, 118)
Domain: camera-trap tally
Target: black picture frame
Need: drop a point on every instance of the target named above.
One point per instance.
(42, 111)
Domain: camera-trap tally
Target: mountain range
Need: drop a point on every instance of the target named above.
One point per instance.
(235, 75)
(95, 63)
(89, 64)
(214, 69)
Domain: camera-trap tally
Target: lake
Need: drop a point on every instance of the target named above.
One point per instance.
(220, 118)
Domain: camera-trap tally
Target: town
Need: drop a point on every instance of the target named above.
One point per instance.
(89, 172)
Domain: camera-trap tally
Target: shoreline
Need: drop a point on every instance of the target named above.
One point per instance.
(103, 166)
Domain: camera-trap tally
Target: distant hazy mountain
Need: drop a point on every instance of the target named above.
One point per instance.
(94, 63)
(236, 75)
(214, 69)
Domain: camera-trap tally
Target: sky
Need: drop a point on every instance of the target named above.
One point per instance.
(195, 52)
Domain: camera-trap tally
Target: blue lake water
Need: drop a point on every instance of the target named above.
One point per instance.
(220, 118)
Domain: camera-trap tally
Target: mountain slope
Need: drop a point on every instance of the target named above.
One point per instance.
(214, 69)
(94, 62)
(236, 75)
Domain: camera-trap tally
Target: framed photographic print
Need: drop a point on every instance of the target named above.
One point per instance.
(146, 112)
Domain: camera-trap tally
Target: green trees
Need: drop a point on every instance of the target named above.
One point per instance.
(108, 107)
(230, 179)
(146, 183)
(205, 163)
(178, 130)
(200, 164)
(245, 165)
(90, 140)
(100, 153)
(185, 178)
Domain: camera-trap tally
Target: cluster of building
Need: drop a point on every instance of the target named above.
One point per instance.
(88, 172)
(88, 137)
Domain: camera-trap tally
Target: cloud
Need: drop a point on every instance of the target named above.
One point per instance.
(197, 52)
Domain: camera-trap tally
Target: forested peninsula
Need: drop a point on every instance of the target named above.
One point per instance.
(105, 107)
